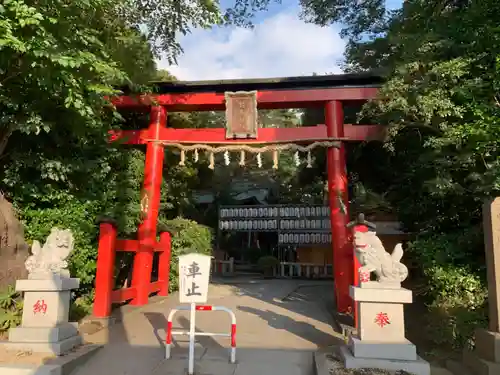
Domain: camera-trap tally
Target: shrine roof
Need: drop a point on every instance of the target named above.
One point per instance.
(281, 83)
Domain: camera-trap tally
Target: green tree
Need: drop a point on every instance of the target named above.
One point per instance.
(68, 57)
(440, 101)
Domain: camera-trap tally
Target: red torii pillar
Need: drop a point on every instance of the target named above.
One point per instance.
(343, 256)
(150, 204)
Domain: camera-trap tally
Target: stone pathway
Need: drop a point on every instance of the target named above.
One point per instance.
(277, 332)
(22, 357)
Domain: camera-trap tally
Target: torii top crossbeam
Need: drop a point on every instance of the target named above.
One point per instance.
(272, 93)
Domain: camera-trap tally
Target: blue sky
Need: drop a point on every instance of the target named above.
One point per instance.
(279, 45)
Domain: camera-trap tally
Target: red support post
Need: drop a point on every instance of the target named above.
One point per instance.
(150, 203)
(104, 281)
(164, 263)
(343, 256)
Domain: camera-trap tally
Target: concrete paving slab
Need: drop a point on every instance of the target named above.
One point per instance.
(271, 314)
(279, 362)
(249, 362)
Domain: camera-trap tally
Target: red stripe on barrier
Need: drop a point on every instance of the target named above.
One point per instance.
(233, 335)
(169, 332)
(204, 308)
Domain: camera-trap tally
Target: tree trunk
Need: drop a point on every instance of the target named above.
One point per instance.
(13, 248)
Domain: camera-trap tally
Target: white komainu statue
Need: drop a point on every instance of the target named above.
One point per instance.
(50, 260)
(373, 258)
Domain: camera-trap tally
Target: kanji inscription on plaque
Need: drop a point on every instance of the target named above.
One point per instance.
(241, 114)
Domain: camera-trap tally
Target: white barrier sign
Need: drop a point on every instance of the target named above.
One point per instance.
(194, 275)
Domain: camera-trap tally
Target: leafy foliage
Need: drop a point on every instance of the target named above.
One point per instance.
(359, 17)
(10, 310)
(267, 262)
(453, 285)
(441, 161)
(68, 56)
(163, 21)
(58, 168)
(66, 59)
(187, 237)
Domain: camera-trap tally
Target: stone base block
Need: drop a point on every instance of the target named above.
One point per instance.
(404, 351)
(29, 370)
(457, 368)
(378, 285)
(417, 367)
(488, 345)
(56, 348)
(65, 365)
(381, 295)
(55, 284)
(480, 366)
(45, 308)
(381, 322)
(43, 334)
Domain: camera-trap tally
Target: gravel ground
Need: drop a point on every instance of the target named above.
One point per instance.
(336, 367)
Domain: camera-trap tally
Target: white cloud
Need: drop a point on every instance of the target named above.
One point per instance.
(278, 46)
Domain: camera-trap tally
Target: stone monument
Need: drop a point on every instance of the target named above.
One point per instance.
(47, 294)
(380, 338)
(485, 359)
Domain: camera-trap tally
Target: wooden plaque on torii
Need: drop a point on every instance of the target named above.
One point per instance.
(241, 114)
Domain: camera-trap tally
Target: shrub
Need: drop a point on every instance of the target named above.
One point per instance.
(187, 236)
(453, 284)
(80, 218)
(80, 308)
(111, 188)
(11, 309)
(267, 262)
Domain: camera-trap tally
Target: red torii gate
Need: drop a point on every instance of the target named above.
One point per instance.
(329, 92)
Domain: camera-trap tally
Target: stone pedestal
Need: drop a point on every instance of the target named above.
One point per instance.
(45, 327)
(380, 341)
(485, 359)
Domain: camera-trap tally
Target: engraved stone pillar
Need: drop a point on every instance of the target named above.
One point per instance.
(485, 359)
(47, 296)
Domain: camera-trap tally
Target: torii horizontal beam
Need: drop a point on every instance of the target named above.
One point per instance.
(265, 135)
(267, 99)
